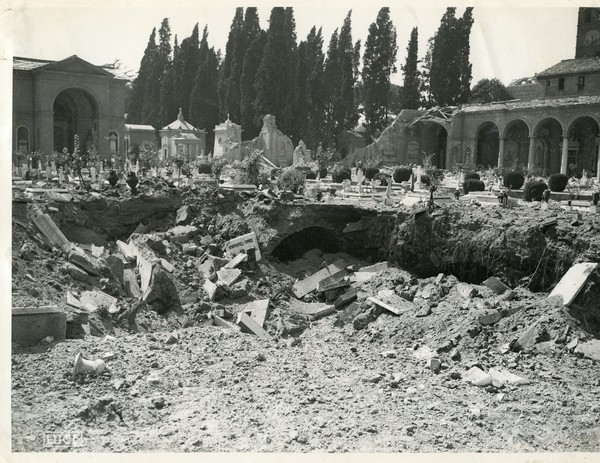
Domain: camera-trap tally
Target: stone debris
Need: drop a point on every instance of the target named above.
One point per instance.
(395, 304)
(309, 284)
(314, 310)
(228, 276)
(346, 298)
(573, 282)
(88, 263)
(477, 377)
(503, 376)
(243, 244)
(249, 325)
(97, 299)
(236, 261)
(496, 285)
(258, 310)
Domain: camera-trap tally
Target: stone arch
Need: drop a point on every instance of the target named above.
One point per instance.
(488, 143)
(583, 133)
(22, 139)
(547, 146)
(516, 144)
(433, 140)
(75, 111)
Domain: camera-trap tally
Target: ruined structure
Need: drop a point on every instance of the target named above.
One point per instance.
(228, 140)
(551, 126)
(276, 146)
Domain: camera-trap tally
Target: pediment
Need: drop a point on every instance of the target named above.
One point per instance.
(75, 65)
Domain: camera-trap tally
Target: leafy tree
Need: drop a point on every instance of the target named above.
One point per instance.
(148, 155)
(488, 90)
(275, 76)
(250, 124)
(411, 94)
(378, 65)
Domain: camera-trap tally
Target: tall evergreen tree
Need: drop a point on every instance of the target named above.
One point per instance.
(275, 75)
(170, 93)
(331, 85)
(300, 108)
(346, 115)
(411, 95)
(227, 84)
(139, 93)
(314, 93)
(249, 121)
(190, 57)
(449, 67)
(378, 65)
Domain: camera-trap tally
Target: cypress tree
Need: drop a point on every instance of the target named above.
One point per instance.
(190, 57)
(331, 85)
(227, 84)
(411, 95)
(139, 91)
(170, 94)
(378, 65)
(314, 93)
(275, 75)
(345, 114)
(252, 61)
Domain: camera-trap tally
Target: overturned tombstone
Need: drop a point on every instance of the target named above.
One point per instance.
(158, 289)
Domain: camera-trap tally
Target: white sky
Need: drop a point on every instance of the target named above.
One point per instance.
(509, 39)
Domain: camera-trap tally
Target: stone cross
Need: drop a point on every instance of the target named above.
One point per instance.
(48, 171)
(61, 175)
(93, 173)
(388, 191)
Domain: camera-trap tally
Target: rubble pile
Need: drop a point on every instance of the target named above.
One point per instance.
(211, 344)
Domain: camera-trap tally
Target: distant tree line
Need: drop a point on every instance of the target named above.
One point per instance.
(313, 95)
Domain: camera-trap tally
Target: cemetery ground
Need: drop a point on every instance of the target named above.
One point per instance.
(397, 345)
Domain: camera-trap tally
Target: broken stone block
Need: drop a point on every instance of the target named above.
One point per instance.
(573, 282)
(243, 244)
(258, 310)
(126, 250)
(97, 299)
(360, 277)
(31, 325)
(490, 318)
(90, 264)
(189, 249)
(182, 233)
(373, 378)
(424, 311)
(378, 267)
(184, 215)
(73, 301)
(589, 349)
(346, 298)
(237, 260)
(219, 321)
(477, 377)
(228, 276)
(395, 304)
(502, 376)
(27, 252)
(172, 339)
(424, 353)
(309, 284)
(130, 284)
(348, 314)
(527, 339)
(496, 285)
(465, 290)
(313, 310)
(168, 266)
(240, 289)
(335, 280)
(116, 266)
(162, 293)
(249, 325)
(439, 278)
(434, 364)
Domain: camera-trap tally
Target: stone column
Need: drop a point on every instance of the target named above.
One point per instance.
(564, 156)
(531, 159)
(501, 152)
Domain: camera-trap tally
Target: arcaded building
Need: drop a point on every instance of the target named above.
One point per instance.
(54, 100)
(552, 125)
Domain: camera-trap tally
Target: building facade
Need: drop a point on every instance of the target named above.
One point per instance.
(552, 125)
(54, 100)
(181, 135)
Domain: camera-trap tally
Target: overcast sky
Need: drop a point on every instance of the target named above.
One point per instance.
(509, 39)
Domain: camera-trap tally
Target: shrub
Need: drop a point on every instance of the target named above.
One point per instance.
(382, 177)
(437, 175)
(402, 174)
(291, 179)
(370, 172)
(205, 169)
(310, 175)
(425, 180)
(513, 180)
(339, 174)
(534, 189)
(472, 176)
(473, 185)
(558, 182)
(323, 172)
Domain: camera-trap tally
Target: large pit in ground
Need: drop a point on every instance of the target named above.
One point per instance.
(468, 242)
